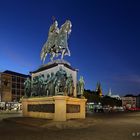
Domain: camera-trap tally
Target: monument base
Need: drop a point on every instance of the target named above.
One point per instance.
(57, 108)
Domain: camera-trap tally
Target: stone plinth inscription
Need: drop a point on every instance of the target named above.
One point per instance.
(48, 108)
(73, 108)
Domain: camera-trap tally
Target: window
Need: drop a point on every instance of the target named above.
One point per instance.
(13, 92)
(13, 85)
(22, 86)
(18, 79)
(18, 92)
(18, 86)
(13, 79)
(22, 80)
(5, 82)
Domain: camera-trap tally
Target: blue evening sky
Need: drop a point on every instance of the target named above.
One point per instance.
(104, 42)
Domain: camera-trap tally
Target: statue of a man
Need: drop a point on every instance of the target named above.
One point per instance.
(57, 87)
(27, 87)
(52, 84)
(61, 79)
(69, 85)
(50, 44)
(41, 84)
(81, 84)
(53, 33)
(35, 86)
(47, 85)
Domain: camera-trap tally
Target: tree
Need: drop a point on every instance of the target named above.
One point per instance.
(92, 96)
(106, 100)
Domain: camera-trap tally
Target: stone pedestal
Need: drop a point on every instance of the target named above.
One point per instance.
(60, 108)
(57, 108)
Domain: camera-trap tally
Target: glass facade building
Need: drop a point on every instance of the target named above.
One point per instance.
(11, 86)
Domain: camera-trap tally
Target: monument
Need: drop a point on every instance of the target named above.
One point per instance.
(52, 91)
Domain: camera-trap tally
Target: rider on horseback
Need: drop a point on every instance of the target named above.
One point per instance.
(57, 41)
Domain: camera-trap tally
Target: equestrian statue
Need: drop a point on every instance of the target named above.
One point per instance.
(56, 43)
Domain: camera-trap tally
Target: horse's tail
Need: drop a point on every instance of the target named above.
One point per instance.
(67, 52)
(44, 52)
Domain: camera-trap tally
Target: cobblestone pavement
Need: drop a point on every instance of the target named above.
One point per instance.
(104, 126)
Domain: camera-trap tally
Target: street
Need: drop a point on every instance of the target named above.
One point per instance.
(106, 126)
(7, 114)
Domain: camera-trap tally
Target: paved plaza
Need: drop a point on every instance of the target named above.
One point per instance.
(106, 126)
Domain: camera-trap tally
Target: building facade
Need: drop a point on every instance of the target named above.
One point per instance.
(138, 101)
(116, 96)
(11, 86)
(129, 102)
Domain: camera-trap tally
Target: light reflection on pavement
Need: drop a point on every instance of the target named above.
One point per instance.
(9, 114)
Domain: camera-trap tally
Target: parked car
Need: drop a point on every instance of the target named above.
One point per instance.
(100, 110)
(106, 109)
(121, 109)
(130, 109)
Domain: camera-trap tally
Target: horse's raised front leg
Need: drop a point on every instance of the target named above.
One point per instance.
(44, 58)
(52, 56)
(62, 55)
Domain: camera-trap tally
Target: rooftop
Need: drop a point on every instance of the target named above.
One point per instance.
(54, 64)
(15, 73)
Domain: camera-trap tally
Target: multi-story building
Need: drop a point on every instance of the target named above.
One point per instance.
(11, 86)
(138, 101)
(129, 101)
